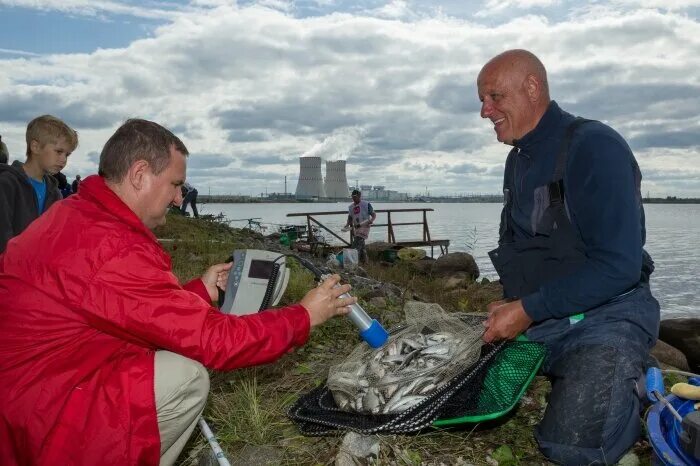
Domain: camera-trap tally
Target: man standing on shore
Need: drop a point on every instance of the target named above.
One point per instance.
(189, 194)
(360, 217)
(571, 261)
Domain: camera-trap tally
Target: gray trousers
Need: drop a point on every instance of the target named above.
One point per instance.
(358, 243)
(181, 389)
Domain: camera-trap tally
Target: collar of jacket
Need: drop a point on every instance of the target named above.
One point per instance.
(17, 169)
(543, 130)
(95, 188)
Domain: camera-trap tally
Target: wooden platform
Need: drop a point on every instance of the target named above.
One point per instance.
(427, 241)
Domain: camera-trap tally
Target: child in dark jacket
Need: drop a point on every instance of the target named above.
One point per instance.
(28, 190)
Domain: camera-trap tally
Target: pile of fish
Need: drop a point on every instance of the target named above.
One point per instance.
(402, 373)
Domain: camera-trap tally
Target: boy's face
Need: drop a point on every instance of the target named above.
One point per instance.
(52, 156)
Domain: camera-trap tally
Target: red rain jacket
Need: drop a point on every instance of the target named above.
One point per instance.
(86, 298)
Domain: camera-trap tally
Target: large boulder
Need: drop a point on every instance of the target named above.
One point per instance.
(683, 334)
(453, 262)
(376, 249)
(423, 266)
(667, 354)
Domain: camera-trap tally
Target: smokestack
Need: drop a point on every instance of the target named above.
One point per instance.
(310, 178)
(336, 183)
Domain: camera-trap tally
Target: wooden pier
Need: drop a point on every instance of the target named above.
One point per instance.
(426, 241)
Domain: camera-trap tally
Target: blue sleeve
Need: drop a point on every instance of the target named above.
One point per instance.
(370, 209)
(601, 184)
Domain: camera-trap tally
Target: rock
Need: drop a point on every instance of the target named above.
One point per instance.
(456, 262)
(375, 250)
(378, 302)
(356, 449)
(667, 354)
(257, 455)
(452, 283)
(629, 459)
(423, 266)
(683, 334)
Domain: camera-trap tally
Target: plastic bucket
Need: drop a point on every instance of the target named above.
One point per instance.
(663, 430)
(390, 255)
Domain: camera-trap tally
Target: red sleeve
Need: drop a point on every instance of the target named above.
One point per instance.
(133, 297)
(197, 287)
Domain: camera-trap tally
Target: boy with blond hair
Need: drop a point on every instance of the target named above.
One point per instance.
(27, 189)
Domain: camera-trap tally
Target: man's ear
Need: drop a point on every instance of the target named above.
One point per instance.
(533, 88)
(136, 176)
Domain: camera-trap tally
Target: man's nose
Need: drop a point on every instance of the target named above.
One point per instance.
(486, 109)
(178, 197)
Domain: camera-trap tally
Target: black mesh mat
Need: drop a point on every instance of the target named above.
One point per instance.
(487, 389)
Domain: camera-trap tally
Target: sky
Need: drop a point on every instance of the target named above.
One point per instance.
(389, 86)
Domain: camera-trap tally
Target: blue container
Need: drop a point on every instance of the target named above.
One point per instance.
(664, 431)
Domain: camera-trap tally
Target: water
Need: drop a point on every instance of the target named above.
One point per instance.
(673, 237)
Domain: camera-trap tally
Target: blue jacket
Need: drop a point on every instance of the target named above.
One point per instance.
(603, 201)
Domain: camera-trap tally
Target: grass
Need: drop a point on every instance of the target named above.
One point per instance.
(247, 407)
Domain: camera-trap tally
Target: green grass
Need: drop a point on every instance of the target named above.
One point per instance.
(247, 407)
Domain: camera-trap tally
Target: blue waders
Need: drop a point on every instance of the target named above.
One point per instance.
(592, 414)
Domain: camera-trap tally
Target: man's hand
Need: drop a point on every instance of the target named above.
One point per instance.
(215, 277)
(506, 320)
(322, 302)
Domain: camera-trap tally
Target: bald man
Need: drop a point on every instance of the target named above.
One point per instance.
(571, 261)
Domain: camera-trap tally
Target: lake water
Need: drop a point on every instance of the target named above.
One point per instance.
(673, 237)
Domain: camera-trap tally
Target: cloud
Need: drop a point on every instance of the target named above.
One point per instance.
(495, 7)
(94, 8)
(23, 106)
(337, 146)
(674, 139)
(387, 85)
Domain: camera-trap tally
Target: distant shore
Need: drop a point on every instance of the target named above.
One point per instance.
(233, 199)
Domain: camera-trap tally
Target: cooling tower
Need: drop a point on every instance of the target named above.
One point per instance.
(336, 181)
(310, 179)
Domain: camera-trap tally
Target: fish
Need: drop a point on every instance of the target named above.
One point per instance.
(401, 374)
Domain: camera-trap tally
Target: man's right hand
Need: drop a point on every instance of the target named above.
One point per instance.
(323, 302)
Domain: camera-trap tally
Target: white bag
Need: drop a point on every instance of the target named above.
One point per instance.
(350, 259)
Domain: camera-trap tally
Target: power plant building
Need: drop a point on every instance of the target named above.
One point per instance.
(310, 185)
(336, 184)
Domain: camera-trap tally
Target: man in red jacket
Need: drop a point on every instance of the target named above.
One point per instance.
(102, 351)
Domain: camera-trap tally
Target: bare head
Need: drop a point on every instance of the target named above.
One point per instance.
(49, 143)
(514, 93)
(144, 164)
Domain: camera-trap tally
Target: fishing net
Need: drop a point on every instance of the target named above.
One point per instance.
(481, 390)
(424, 355)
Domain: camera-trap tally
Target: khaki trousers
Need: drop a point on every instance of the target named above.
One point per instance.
(181, 387)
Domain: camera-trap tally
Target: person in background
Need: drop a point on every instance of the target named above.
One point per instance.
(28, 190)
(4, 153)
(63, 186)
(102, 350)
(76, 184)
(571, 261)
(189, 194)
(360, 217)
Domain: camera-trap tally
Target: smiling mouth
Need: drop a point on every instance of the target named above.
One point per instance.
(499, 121)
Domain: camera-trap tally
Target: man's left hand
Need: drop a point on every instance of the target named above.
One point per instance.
(216, 277)
(506, 321)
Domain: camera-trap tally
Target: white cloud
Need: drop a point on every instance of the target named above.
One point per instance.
(96, 8)
(495, 7)
(250, 89)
